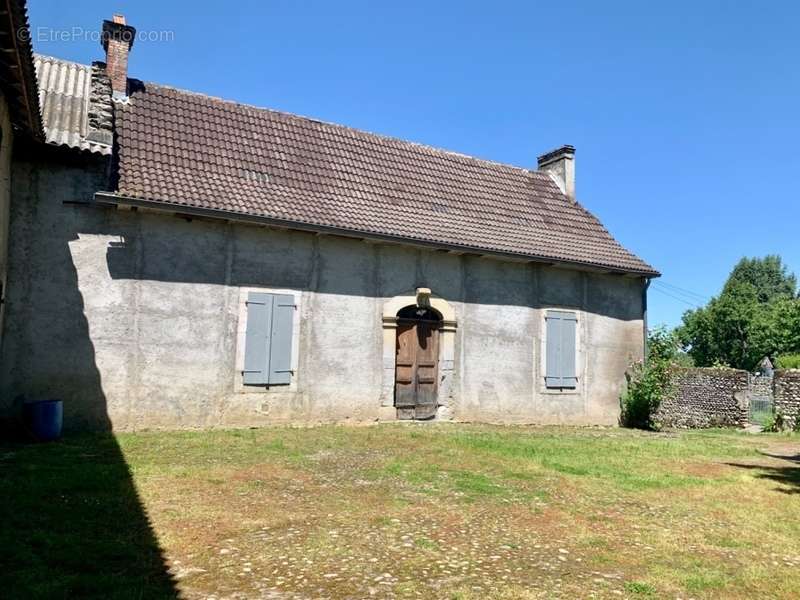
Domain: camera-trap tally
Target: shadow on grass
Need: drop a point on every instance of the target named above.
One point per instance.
(788, 474)
(73, 525)
(71, 522)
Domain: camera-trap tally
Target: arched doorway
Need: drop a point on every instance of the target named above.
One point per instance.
(417, 362)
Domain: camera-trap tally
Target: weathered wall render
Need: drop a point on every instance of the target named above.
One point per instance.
(132, 318)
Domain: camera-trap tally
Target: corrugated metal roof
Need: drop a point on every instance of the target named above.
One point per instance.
(65, 90)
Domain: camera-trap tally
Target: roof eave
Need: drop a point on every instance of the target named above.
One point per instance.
(21, 75)
(113, 198)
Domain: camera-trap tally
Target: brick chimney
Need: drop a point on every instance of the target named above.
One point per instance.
(117, 41)
(560, 164)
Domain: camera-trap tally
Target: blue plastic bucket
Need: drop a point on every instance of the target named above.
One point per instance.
(44, 419)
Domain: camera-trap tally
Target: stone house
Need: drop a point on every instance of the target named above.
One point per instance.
(181, 261)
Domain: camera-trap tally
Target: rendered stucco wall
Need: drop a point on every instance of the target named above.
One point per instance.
(133, 319)
(6, 142)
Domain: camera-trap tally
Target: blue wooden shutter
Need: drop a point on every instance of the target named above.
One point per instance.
(553, 355)
(560, 355)
(268, 342)
(280, 363)
(257, 340)
(569, 377)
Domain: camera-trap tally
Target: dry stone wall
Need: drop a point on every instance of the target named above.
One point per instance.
(706, 397)
(787, 397)
(761, 386)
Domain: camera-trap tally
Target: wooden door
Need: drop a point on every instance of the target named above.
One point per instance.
(416, 368)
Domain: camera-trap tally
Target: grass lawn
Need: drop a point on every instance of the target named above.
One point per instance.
(390, 511)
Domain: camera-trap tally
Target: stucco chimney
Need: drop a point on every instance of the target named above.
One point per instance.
(117, 41)
(560, 164)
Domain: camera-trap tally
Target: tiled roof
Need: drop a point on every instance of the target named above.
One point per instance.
(186, 149)
(17, 76)
(65, 95)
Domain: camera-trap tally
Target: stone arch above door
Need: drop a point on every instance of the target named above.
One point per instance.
(420, 297)
(442, 306)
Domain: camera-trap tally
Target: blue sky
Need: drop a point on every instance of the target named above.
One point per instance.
(685, 115)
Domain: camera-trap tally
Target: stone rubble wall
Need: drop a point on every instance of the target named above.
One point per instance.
(101, 108)
(787, 397)
(761, 386)
(706, 397)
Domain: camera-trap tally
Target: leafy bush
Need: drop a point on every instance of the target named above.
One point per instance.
(683, 360)
(788, 361)
(779, 422)
(772, 423)
(649, 381)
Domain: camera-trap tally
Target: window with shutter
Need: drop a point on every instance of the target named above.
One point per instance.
(268, 340)
(561, 349)
(280, 350)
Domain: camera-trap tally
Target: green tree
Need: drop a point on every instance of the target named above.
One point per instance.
(776, 329)
(756, 315)
(650, 381)
(769, 276)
